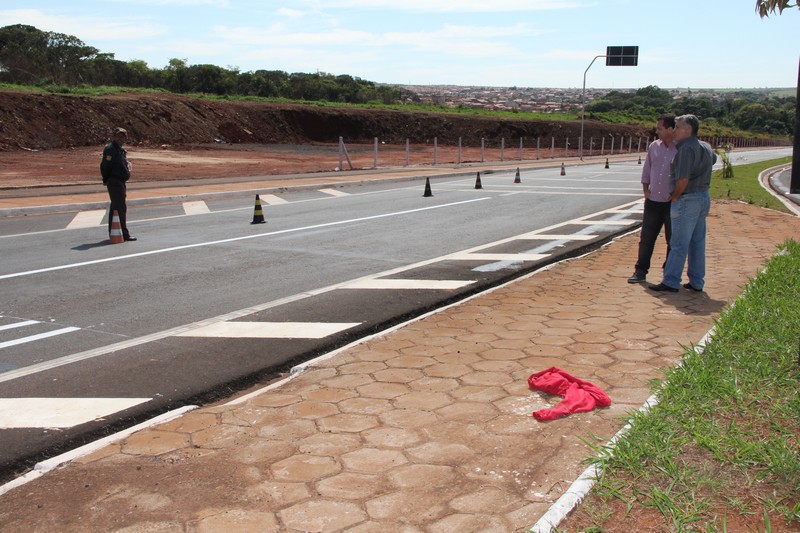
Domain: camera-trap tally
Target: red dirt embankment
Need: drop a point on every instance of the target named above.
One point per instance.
(49, 138)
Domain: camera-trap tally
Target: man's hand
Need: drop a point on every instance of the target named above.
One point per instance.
(680, 186)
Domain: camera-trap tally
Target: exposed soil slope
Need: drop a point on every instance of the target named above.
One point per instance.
(46, 121)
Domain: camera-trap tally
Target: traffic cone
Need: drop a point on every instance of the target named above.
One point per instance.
(115, 235)
(606, 162)
(516, 177)
(478, 182)
(640, 160)
(258, 214)
(563, 170)
(427, 188)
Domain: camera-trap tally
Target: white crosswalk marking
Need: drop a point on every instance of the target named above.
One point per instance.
(19, 324)
(198, 207)
(271, 199)
(604, 222)
(269, 330)
(87, 219)
(334, 192)
(496, 257)
(59, 412)
(556, 237)
(37, 337)
(432, 284)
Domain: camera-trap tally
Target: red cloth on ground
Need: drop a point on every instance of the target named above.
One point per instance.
(579, 396)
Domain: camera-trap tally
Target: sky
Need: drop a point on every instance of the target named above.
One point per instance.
(496, 43)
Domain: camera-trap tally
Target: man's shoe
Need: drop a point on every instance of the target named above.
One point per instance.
(691, 287)
(129, 238)
(662, 288)
(638, 277)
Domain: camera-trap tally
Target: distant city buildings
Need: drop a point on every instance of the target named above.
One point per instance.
(532, 99)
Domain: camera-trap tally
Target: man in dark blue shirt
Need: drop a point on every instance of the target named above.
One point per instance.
(116, 171)
(690, 177)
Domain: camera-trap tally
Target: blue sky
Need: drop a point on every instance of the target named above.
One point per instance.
(527, 43)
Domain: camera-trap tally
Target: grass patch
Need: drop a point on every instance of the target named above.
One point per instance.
(721, 450)
(744, 185)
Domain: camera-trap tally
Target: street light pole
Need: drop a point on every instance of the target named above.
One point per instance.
(583, 105)
(619, 56)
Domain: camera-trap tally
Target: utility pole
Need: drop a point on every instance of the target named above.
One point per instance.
(794, 187)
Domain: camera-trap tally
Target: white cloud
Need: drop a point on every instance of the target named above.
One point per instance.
(86, 28)
(458, 6)
(291, 13)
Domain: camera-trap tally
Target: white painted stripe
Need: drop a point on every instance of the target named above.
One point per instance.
(19, 324)
(605, 222)
(334, 192)
(59, 412)
(32, 338)
(197, 207)
(432, 284)
(271, 199)
(556, 237)
(235, 239)
(473, 256)
(270, 330)
(87, 219)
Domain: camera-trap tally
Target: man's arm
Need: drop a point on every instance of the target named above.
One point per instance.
(680, 186)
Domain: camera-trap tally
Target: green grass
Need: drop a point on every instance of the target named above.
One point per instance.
(723, 443)
(744, 185)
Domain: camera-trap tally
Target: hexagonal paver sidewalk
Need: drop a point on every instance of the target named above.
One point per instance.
(427, 428)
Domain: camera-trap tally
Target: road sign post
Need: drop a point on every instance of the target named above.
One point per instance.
(616, 56)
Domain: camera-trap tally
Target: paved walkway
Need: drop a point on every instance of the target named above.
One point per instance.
(427, 427)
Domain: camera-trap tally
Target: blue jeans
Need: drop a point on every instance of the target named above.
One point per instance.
(688, 215)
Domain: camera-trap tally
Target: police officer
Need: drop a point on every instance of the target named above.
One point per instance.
(116, 170)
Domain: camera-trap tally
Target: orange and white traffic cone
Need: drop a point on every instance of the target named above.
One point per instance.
(115, 235)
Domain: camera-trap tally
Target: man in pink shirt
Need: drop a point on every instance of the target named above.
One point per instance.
(656, 187)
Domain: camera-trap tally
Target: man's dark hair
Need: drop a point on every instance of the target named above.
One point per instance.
(669, 120)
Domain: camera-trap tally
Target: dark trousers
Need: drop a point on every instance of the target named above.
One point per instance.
(656, 215)
(116, 192)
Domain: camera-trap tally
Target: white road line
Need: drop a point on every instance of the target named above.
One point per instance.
(235, 239)
(475, 256)
(32, 338)
(556, 237)
(334, 192)
(622, 222)
(19, 324)
(269, 330)
(59, 412)
(426, 284)
(87, 219)
(271, 199)
(195, 207)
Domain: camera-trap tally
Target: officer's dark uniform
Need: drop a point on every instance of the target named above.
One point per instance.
(115, 171)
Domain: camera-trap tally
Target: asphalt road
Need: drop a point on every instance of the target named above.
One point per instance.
(95, 338)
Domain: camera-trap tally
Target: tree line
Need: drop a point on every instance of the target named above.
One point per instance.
(29, 56)
(746, 110)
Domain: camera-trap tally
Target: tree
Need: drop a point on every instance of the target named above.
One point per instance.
(765, 7)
